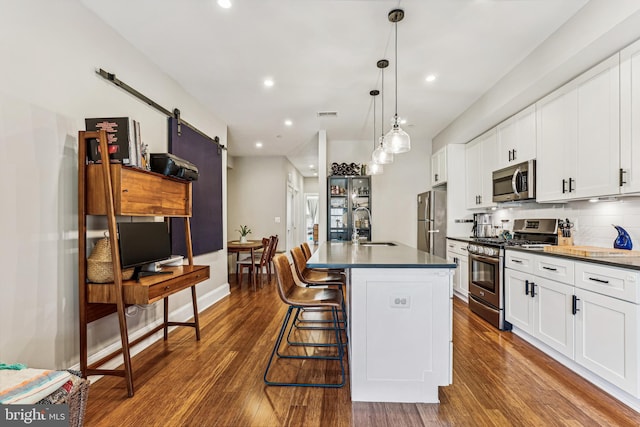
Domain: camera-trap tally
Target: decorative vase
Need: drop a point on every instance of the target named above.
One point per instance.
(243, 239)
(623, 241)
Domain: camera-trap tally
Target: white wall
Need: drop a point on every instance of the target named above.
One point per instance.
(393, 194)
(257, 190)
(48, 87)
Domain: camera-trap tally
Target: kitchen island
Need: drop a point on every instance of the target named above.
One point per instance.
(400, 319)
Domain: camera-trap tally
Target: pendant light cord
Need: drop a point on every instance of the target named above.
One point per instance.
(396, 71)
(382, 99)
(374, 122)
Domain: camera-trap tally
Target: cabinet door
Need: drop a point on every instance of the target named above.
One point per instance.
(439, 167)
(489, 164)
(473, 161)
(556, 140)
(553, 316)
(607, 339)
(517, 138)
(598, 150)
(452, 258)
(518, 305)
(338, 207)
(463, 265)
(360, 197)
(629, 118)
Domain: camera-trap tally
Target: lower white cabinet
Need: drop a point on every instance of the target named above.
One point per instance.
(607, 338)
(542, 308)
(457, 254)
(588, 312)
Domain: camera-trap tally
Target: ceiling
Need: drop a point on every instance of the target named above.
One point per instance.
(322, 54)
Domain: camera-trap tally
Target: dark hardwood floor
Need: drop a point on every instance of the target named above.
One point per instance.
(498, 380)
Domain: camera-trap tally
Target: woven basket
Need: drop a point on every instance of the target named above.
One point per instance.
(99, 265)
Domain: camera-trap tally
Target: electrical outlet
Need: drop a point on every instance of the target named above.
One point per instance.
(277, 219)
(400, 301)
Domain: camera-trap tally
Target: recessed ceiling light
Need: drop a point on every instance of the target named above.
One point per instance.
(268, 82)
(225, 4)
(288, 122)
(258, 144)
(315, 174)
(312, 167)
(430, 78)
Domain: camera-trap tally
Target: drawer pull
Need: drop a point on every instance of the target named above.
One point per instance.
(598, 280)
(126, 190)
(550, 268)
(517, 261)
(166, 288)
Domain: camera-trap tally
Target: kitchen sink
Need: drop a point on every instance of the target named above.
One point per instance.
(378, 244)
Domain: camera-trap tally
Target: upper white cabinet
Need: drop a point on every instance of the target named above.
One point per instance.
(439, 167)
(480, 159)
(578, 136)
(630, 119)
(517, 138)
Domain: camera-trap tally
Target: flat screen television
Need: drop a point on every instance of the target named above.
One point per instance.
(142, 243)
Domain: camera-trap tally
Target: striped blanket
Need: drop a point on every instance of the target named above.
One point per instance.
(28, 386)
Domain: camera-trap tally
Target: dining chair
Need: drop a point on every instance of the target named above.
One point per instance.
(258, 264)
(296, 298)
(272, 251)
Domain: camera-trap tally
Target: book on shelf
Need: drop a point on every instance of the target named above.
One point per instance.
(123, 140)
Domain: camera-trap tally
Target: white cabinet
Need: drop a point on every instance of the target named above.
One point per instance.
(517, 138)
(592, 317)
(630, 119)
(577, 136)
(439, 167)
(480, 160)
(457, 254)
(541, 308)
(607, 338)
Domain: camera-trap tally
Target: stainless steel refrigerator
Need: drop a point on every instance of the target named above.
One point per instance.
(432, 222)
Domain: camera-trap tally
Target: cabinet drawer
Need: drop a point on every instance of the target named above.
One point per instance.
(137, 192)
(554, 268)
(457, 247)
(163, 289)
(615, 282)
(519, 261)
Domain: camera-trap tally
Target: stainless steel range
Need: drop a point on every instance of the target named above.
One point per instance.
(486, 265)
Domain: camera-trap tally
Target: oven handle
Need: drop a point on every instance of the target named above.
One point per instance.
(486, 259)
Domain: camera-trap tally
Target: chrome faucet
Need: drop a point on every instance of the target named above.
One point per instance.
(354, 237)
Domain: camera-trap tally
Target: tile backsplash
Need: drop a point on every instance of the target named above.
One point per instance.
(593, 221)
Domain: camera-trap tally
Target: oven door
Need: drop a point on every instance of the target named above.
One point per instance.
(484, 279)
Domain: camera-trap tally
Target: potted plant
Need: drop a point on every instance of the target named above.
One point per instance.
(244, 231)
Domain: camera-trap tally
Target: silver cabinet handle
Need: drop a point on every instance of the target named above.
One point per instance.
(433, 231)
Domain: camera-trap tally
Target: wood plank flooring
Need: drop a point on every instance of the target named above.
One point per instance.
(498, 380)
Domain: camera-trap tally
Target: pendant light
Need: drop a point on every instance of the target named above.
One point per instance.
(397, 140)
(380, 155)
(374, 168)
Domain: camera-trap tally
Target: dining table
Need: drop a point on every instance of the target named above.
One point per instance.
(237, 247)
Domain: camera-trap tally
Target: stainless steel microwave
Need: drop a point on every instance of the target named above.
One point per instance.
(514, 183)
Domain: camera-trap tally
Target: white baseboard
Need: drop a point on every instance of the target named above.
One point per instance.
(181, 314)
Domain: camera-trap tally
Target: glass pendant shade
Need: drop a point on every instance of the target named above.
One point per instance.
(396, 140)
(380, 155)
(375, 169)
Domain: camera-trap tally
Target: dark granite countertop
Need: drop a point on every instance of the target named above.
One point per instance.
(346, 255)
(461, 239)
(632, 263)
